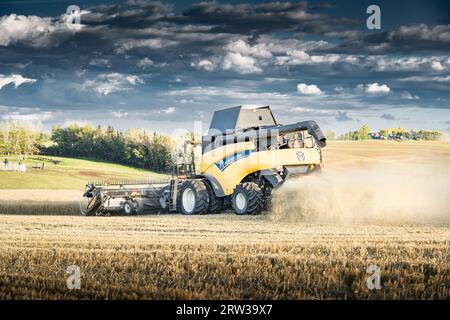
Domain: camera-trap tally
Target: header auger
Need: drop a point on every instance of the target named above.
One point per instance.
(245, 155)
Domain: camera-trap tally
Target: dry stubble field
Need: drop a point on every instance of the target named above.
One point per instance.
(286, 254)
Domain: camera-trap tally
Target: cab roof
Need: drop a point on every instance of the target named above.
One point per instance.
(239, 118)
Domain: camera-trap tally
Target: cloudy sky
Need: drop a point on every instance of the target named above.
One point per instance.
(164, 65)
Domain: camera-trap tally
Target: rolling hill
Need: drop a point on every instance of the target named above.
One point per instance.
(68, 174)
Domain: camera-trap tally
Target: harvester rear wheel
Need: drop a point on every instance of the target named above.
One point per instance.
(194, 198)
(248, 198)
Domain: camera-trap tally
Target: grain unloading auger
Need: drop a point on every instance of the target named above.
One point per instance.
(245, 155)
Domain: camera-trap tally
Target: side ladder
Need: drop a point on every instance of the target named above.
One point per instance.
(173, 194)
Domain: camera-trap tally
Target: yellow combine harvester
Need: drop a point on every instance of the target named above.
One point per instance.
(245, 155)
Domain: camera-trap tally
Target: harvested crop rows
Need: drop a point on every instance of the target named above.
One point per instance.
(220, 256)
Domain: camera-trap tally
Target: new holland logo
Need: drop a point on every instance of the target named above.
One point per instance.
(300, 156)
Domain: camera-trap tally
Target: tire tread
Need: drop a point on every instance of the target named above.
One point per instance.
(202, 197)
(255, 197)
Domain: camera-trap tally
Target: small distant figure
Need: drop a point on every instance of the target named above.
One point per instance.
(43, 165)
(6, 163)
(22, 167)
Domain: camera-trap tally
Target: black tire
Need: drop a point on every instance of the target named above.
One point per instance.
(200, 198)
(129, 208)
(138, 206)
(253, 198)
(227, 203)
(215, 204)
(268, 198)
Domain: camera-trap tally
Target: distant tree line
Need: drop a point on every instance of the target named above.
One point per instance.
(364, 133)
(360, 134)
(16, 138)
(402, 133)
(330, 135)
(135, 147)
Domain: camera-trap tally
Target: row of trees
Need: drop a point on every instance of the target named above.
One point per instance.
(428, 135)
(360, 134)
(16, 138)
(364, 133)
(402, 133)
(135, 147)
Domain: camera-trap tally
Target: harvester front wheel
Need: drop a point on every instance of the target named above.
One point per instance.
(194, 198)
(248, 198)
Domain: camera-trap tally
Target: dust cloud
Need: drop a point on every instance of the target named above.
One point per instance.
(381, 193)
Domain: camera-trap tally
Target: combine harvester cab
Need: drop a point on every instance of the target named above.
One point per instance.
(245, 155)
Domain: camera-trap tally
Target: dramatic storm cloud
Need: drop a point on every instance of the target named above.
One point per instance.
(162, 66)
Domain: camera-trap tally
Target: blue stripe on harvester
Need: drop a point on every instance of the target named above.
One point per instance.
(225, 162)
